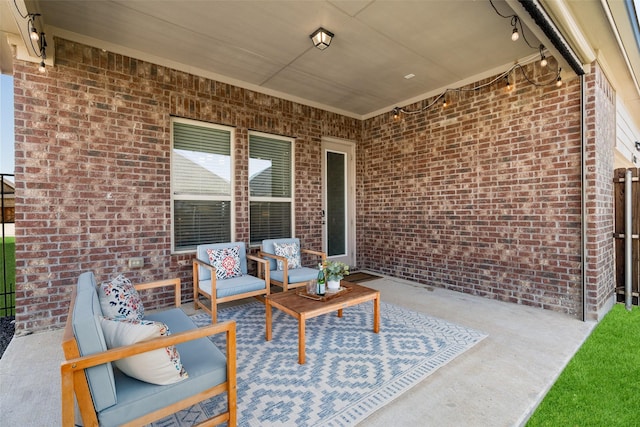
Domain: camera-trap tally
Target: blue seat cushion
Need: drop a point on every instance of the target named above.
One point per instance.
(203, 361)
(302, 274)
(233, 286)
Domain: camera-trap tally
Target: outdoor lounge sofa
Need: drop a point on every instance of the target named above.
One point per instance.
(107, 397)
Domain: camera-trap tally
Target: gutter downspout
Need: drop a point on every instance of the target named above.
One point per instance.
(583, 150)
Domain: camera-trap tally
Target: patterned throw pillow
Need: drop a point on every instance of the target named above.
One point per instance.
(162, 366)
(119, 299)
(226, 261)
(291, 251)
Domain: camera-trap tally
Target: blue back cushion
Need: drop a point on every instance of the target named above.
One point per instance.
(267, 246)
(201, 253)
(88, 333)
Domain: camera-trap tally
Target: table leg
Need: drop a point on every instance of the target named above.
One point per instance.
(268, 320)
(340, 313)
(301, 340)
(376, 315)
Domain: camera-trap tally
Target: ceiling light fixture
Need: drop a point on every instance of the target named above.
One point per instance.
(321, 38)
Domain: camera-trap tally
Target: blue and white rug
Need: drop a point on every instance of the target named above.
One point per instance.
(350, 371)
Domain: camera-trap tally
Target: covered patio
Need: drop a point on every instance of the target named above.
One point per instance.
(498, 382)
(476, 180)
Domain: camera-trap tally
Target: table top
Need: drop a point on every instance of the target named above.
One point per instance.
(298, 304)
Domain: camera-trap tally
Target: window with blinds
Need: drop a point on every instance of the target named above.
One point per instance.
(270, 187)
(201, 183)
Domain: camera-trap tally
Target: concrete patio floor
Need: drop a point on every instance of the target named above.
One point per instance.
(498, 382)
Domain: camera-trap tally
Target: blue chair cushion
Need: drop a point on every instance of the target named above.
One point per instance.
(233, 286)
(302, 274)
(88, 333)
(205, 363)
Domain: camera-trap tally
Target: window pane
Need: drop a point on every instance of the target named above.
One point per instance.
(201, 171)
(269, 167)
(197, 222)
(270, 220)
(201, 160)
(336, 208)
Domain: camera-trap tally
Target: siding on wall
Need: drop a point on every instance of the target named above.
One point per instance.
(482, 197)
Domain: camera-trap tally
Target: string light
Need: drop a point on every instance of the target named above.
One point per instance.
(515, 35)
(556, 80)
(40, 47)
(543, 59)
(559, 79)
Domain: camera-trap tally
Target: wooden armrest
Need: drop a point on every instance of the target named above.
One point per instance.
(273, 256)
(84, 362)
(258, 259)
(71, 369)
(162, 283)
(204, 264)
(319, 253)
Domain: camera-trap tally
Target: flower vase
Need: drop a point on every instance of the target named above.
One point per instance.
(333, 285)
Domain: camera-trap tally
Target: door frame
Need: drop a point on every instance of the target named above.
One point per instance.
(347, 147)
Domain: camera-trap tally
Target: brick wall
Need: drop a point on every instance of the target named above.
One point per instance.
(600, 135)
(482, 196)
(93, 169)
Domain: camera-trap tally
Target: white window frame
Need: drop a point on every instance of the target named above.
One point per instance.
(230, 198)
(290, 200)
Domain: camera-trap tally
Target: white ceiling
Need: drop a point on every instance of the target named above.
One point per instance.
(264, 44)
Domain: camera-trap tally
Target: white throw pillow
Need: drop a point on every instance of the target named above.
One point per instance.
(291, 251)
(161, 366)
(119, 299)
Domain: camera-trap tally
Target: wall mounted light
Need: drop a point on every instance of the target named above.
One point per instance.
(321, 38)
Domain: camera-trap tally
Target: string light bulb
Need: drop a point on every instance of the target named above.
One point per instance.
(515, 35)
(559, 79)
(543, 59)
(42, 68)
(444, 103)
(508, 83)
(34, 34)
(396, 113)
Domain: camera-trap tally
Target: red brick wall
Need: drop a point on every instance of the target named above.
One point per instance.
(93, 169)
(600, 136)
(482, 196)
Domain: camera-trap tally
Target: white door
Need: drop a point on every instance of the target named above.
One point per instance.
(339, 200)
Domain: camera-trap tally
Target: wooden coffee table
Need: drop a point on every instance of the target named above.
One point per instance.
(302, 308)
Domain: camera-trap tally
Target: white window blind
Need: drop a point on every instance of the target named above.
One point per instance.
(270, 187)
(201, 184)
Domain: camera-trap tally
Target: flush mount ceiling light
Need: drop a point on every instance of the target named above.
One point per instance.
(321, 38)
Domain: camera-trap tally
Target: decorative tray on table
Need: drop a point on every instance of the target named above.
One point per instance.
(326, 297)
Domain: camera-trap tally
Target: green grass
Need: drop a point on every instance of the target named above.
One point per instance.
(9, 245)
(600, 386)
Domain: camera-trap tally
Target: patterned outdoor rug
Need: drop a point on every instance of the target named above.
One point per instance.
(349, 373)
